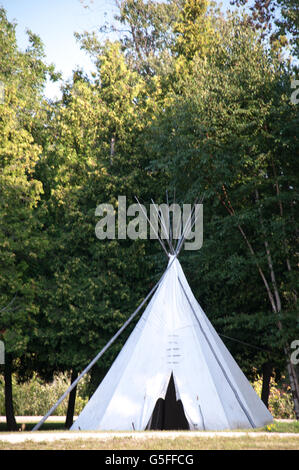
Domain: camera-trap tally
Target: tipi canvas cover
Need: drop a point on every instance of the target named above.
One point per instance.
(174, 340)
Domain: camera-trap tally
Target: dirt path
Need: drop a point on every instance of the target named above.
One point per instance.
(36, 419)
(51, 436)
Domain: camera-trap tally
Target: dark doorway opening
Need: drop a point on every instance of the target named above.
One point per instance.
(169, 413)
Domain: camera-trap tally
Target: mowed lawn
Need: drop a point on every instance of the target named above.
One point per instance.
(278, 436)
(269, 442)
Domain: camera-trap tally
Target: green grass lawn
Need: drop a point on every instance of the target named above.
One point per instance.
(271, 440)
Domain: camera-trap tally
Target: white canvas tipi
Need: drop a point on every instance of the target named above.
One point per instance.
(174, 372)
(173, 346)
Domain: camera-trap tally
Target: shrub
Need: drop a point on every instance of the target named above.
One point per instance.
(35, 397)
(280, 399)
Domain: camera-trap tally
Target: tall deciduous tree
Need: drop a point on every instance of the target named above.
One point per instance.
(231, 133)
(277, 19)
(193, 29)
(92, 155)
(22, 241)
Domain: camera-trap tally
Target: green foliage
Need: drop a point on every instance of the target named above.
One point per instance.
(33, 397)
(228, 134)
(87, 291)
(281, 404)
(22, 241)
(193, 30)
(149, 37)
(276, 19)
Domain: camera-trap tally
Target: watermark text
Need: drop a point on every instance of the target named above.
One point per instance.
(295, 94)
(167, 222)
(295, 354)
(2, 353)
(2, 92)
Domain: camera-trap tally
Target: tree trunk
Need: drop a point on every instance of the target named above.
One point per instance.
(277, 310)
(267, 373)
(10, 416)
(71, 402)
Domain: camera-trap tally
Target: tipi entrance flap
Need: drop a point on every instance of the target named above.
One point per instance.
(168, 412)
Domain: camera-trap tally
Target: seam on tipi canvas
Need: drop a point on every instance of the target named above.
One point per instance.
(205, 322)
(229, 382)
(140, 328)
(219, 363)
(215, 388)
(216, 391)
(221, 346)
(138, 339)
(202, 418)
